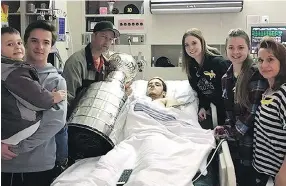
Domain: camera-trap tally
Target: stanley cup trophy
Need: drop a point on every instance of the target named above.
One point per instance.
(94, 117)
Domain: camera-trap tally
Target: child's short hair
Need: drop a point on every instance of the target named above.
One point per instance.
(9, 30)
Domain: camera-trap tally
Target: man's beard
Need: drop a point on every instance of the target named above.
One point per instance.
(101, 49)
(104, 49)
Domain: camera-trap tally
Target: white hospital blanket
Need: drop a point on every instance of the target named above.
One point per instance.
(156, 142)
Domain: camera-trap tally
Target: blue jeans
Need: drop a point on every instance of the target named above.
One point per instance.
(62, 145)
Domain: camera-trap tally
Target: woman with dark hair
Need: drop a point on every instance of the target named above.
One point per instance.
(270, 120)
(242, 87)
(205, 68)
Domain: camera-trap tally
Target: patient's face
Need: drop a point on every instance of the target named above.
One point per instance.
(155, 89)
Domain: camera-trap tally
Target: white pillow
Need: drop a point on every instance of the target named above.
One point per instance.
(177, 89)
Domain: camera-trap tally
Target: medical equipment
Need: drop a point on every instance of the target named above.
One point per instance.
(257, 31)
(94, 117)
(141, 62)
(60, 23)
(57, 16)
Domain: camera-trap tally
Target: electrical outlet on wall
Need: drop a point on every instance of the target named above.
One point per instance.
(264, 19)
(86, 38)
(133, 39)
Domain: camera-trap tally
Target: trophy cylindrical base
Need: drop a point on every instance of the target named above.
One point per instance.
(86, 142)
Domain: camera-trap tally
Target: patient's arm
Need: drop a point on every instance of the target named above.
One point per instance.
(161, 101)
(172, 102)
(168, 102)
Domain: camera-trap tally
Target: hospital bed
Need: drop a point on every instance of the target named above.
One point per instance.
(180, 90)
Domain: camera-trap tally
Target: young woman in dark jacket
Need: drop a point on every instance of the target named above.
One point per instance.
(205, 68)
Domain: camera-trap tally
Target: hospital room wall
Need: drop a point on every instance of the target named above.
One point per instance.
(168, 29)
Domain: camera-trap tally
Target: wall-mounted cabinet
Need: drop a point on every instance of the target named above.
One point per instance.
(170, 55)
(114, 7)
(91, 21)
(22, 13)
(14, 16)
(119, 13)
(165, 55)
(127, 17)
(35, 10)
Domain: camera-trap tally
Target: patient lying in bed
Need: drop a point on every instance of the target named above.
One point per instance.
(156, 91)
(162, 145)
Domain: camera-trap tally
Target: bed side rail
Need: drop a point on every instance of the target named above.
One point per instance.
(226, 171)
(226, 168)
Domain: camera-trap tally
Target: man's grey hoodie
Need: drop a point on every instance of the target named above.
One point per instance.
(38, 152)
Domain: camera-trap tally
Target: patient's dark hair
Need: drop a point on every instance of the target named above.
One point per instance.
(163, 83)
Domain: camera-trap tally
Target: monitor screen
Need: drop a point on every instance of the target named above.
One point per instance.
(258, 32)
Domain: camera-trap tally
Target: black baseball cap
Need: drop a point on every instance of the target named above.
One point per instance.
(131, 9)
(106, 25)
